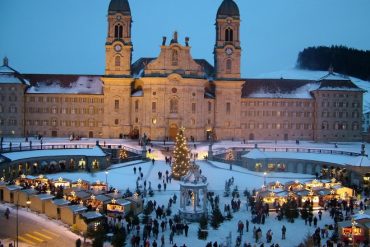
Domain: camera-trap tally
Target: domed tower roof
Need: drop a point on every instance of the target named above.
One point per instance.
(228, 8)
(121, 6)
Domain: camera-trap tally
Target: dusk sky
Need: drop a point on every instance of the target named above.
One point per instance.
(53, 36)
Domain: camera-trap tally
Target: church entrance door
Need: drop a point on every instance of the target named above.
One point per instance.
(172, 132)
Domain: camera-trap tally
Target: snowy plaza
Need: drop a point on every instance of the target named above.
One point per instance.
(125, 176)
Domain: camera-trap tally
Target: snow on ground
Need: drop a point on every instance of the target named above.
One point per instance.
(57, 226)
(122, 176)
(217, 173)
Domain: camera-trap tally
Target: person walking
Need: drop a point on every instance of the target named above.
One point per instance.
(186, 228)
(247, 225)
(78, 243)
(315, 221)
(283, 231)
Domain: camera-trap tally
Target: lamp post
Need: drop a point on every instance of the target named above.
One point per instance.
(106, 179)
(28, 204)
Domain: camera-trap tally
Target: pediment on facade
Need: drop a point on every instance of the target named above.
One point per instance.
(175, 58)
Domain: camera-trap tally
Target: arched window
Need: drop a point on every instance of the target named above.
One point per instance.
(229, 35)
(228, 66)
(174, 104)
(118, 29)
(117, 61)
(175, 58)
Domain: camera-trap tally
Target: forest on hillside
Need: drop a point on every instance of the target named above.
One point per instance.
(344, 60)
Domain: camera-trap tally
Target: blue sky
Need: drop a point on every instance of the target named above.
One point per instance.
(53, 36)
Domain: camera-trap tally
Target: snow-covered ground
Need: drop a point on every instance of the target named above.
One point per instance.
(121, 176)
(217, 173)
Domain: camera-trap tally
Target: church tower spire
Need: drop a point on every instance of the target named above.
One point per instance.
(118, 46)
(227, 50)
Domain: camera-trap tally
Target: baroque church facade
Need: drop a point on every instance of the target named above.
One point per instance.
(157, 96)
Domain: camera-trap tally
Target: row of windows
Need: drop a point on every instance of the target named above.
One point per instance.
(67, 100)
(276, 114)
(340, 104)
(11, 122)
(67, 123)
(337, 95)
(277, 103)
(174, 103)
(339, 126)
(297, 126)
(9, 88)
(54, 110)
(338, 114)
(11, 98)
(11, 109)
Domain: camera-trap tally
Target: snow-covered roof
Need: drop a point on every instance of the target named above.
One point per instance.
(360, 216)
(296, 83)
(65, 84)
(61, 202)
(10, 76)
(44, 196)
(327, 158)
(77, 208)
(94, 152)
(91, 215)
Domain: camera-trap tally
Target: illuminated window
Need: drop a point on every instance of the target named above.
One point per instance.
(154, 120)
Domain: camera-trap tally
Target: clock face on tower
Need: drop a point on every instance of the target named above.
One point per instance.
(229, 51)
(117, 48)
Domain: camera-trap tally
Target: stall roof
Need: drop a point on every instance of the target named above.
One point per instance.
(90, 215)
(93, 152)
(44, 196)
(77, 208)
(61, 202)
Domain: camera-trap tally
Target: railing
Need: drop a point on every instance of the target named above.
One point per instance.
(32, 147)
(288, 149)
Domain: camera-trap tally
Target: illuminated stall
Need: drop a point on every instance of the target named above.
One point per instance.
(61, 182)
(81, 184)
(118, 207)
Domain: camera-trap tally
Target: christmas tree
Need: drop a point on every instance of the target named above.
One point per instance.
(229, 155)
(122, 154)
(181, 164)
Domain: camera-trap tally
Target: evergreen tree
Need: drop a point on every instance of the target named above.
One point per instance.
(181, 164)
(217, 217)
(123, 154)
(203, 226)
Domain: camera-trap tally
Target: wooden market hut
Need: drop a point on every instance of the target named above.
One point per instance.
(119, 207)
(68, 214)
(81, 184)
(86, 220)
(23, 196)
(97, 202)
(38, 202)
(52, 207)
(98, 186)
(293, 185)
(344, 193)
(76, 195)
(9, 193)
(62, 182)
(357, 228)
(136, 204)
